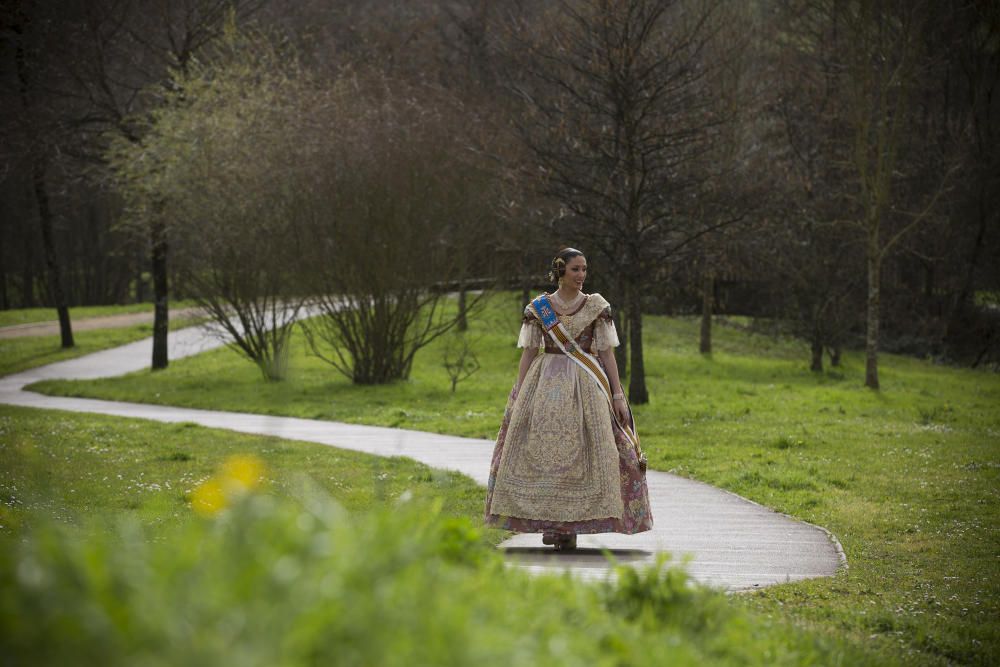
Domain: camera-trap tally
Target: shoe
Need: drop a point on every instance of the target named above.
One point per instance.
(565, 542)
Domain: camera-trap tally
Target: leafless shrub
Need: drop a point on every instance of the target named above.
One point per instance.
(459, 359)
(397, 217)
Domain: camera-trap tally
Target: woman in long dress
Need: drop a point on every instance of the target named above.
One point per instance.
(562, 464)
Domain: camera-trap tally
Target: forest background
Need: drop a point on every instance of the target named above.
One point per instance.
(828, 168)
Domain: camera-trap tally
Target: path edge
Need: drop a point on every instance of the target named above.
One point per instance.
(841, 554)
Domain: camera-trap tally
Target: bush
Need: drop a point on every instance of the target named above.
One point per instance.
(271, 581)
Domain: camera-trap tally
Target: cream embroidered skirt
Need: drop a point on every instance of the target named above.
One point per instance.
(560, 464)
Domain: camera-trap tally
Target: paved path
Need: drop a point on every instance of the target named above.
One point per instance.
(87, 323)
(733, 543)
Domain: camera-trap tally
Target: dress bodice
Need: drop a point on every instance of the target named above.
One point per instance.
(590, 324)
(584, 340)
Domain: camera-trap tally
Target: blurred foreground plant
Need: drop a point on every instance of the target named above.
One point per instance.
(278, 581)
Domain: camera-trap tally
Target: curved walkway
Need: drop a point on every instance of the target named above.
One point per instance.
(731, 542)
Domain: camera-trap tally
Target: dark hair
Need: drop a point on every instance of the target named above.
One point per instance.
(558, 264)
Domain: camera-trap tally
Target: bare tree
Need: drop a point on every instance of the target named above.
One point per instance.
(962, 110)
(397, 218)
(617, 110)
(108, 55)
(857, 69)
(879, 77)
(459, 359)
(32, 37)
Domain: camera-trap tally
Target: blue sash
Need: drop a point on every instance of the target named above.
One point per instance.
(545, 311)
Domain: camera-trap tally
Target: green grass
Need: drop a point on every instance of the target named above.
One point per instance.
(20, 354)
(103, 560)
(17, 316)
(315, 390)
(71, 467)
(906, 478)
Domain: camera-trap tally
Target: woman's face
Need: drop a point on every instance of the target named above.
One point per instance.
(576, 272)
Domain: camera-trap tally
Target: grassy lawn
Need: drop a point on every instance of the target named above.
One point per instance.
(72, 467)
(16, 316)
(906, 478)
(315, 390)
(20, 354)
(296, 580)
(404, 577)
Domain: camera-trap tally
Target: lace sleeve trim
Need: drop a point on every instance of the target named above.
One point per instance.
(531, 334)
(605, 334)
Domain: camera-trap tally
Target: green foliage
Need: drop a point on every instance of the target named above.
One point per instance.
(273, 581)
(279, 186)
(221, 164)
(74, 467)
(987, 298)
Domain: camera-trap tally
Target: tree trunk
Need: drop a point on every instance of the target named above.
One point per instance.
(463, 321)
(28, 274)
(619, 315)
(707, 303)
(38, 160)
(637, 393)
(56, 288)
(874, 302)
(4, 302)
(140, 284)
(958, 319)
(621, 352)
(817, 355)
(158, 238)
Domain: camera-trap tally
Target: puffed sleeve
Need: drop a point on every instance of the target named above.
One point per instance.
(605, 334)
(531, 331)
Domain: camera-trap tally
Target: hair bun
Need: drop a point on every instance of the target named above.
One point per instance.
(559, 263)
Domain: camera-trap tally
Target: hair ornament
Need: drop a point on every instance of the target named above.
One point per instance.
(559, 263)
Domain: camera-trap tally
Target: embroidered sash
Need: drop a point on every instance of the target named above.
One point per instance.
(550, 322)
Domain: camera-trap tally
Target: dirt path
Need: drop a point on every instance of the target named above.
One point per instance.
(86, 324)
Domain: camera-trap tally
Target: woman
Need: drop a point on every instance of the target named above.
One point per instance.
(566, 460)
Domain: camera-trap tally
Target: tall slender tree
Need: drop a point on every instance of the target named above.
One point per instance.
(617, 110)
(107, 56)
(880, 71)
(41, 135)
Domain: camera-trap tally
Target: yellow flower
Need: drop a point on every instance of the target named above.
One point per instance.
(209, 498)
(243, 471)
(238, 475)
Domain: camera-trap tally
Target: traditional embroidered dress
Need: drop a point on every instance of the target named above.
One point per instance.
(560, 463)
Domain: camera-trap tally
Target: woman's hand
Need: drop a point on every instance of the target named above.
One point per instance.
(621, 410)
